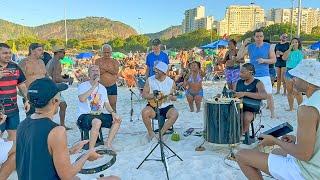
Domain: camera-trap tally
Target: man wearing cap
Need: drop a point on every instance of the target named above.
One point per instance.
(33, 67)
(41, 151)
(54, 70)
(11, 77)
(298, 157)
(165, 88)
(93, 102)
(154, 56)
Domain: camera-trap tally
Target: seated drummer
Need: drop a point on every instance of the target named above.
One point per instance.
(249, 87)
(92, 100)
(298, 157)
(166, 86)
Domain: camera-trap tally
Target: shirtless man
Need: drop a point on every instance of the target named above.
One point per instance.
(109, 69)
(33, 67)
(54, 70)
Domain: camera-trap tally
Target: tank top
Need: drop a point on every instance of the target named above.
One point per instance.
(34, 162)
(311, 169)
(259, 52)
(252, 87)
(164, 87)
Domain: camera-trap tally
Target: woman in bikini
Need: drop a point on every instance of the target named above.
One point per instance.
(193, 85)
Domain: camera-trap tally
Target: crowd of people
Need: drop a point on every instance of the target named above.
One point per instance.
(40, 85)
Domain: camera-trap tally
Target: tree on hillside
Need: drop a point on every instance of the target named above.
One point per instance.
(316, 30)
(117, 44)
(136, 43)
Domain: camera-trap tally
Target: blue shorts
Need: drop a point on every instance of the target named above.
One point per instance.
(11, 123)
(288, 75)
(189, 93)
(112, 90)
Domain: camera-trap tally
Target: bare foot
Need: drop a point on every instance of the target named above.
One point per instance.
(277, 93)
(198, 111)
(94, 156)
(191, 110)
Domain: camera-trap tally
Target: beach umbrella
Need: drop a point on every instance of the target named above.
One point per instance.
(118, 55)
(84, 55)
(216, 44)
(67, 61)
(315, 46)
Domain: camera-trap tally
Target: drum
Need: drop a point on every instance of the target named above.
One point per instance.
(222, 124)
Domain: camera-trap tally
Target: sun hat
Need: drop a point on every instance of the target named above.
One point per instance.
(308, 70)
(163, 67)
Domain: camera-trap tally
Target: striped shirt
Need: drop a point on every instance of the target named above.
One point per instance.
(12, 77)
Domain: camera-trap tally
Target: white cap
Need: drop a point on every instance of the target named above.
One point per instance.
(308, 70)
(163, 67)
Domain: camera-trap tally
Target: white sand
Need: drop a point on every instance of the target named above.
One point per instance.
(133, 147)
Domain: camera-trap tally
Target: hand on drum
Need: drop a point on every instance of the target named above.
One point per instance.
(267, 140)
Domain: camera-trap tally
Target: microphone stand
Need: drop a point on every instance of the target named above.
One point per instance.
(131, 103)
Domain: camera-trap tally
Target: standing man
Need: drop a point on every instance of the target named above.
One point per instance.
(109, 69)
(11, 77)
(261, 55)
(280, 48)
(54, 70)
(298, 156)
(155, 55)
(33, 67)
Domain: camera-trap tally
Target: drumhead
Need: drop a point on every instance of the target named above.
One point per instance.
(222, 100)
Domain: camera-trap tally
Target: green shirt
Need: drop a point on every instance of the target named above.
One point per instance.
(295, 57)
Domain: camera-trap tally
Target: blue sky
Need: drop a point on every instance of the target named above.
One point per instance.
(155, 15)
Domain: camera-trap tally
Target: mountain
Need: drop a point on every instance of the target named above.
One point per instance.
(85, 28)
(172, 31)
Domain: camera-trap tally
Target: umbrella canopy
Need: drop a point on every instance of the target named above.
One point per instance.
(216, 44)
(118, 55)
(315, 46)
(66, 60)
(84, 55)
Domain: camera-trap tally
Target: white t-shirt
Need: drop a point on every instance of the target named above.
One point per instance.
(95, 102)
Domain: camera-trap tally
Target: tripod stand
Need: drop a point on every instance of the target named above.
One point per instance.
(131, 104)
(162, 145)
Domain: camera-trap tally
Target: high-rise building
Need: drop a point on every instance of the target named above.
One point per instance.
(240, 19)
(196, 19)
(309, 19)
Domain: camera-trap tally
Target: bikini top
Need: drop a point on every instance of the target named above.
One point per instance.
(196, 80)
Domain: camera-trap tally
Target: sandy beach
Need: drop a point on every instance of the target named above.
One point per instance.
(132, 145)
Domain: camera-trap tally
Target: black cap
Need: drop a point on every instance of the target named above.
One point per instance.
(41, 91)
(156, 42)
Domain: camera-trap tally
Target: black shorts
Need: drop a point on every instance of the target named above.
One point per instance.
(163, 111)
(112, 90)
(84, 121)
(281, 63)
(11, 122)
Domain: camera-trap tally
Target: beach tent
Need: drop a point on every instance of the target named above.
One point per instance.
(315, 46)
(118, 55)
(216, 44)
(84, 55)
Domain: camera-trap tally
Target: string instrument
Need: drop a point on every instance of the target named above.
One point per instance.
(163, 98)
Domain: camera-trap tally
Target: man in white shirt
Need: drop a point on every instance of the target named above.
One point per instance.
(162, 87)
(92, 101)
